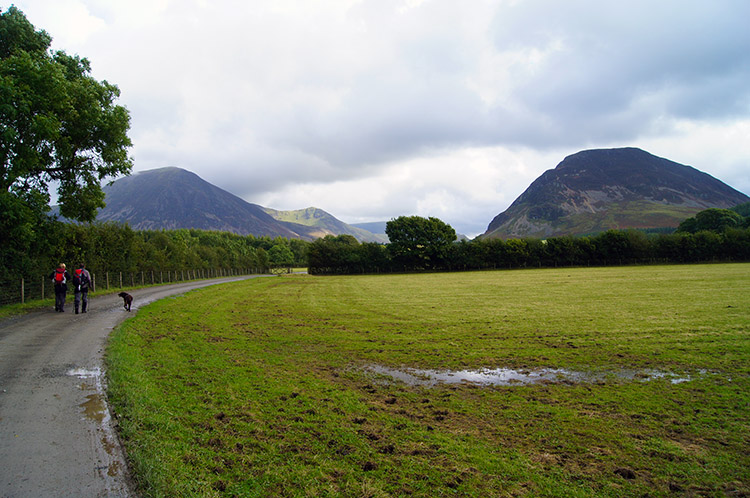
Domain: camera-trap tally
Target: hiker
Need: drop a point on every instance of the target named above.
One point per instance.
(81, 284)
(60, 278)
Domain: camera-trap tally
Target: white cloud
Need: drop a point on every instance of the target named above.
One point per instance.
(464, 187)
(721, 149)
(70, 22)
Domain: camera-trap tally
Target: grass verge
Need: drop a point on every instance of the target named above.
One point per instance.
(259, 388)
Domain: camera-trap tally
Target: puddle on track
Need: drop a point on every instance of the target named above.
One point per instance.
(95, 411)
(509, 377)
(94, 408)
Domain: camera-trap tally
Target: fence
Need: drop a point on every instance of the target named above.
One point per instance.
(22, 289)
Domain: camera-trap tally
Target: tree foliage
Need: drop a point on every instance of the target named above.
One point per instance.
(57, 124)
(419, 243)
(742, 209)
(713, 219)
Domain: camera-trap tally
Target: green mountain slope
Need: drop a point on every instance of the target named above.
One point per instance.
(324, 224)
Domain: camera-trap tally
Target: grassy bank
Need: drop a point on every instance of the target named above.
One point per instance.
(261, 388)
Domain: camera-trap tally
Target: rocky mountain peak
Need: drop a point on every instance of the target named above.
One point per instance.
(601, 189)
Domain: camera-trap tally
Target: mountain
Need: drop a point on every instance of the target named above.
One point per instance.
(323, 224)
(171, 198)
(596, 190)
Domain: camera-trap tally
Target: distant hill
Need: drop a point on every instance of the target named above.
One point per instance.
(171, 198)
(597, 190)
(324, 224)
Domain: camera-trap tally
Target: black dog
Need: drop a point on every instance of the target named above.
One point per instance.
(127, 300)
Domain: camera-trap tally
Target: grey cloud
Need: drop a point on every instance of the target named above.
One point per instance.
(590, 90)
(602, 57)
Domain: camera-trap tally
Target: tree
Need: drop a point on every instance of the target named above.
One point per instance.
(419, 243)
(281, 255)
(57, 123)
(712, 219)
(333, 254)
(742, 209)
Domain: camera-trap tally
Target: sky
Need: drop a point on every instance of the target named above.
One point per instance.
(374, 109)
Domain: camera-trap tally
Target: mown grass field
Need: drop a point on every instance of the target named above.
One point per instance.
(261, 388)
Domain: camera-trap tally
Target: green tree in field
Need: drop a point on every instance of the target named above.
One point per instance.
(712, 219)
(419, 243)
(281, 255)
(57, 124)
(333, 254)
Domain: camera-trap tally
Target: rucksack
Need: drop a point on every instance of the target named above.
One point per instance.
(80, 279)
(59, 277)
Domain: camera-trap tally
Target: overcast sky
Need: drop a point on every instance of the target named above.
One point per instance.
(372, 109)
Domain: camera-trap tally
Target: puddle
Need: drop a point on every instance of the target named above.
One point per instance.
(509, 376)
(96, 412)
(94, 408)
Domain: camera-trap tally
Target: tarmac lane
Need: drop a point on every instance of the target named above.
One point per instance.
(57, 437)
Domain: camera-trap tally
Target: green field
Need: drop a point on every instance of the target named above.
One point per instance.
(266, 387)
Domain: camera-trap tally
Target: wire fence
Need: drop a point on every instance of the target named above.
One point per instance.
(21, 290)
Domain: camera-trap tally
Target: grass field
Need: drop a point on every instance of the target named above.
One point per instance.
(264, 387)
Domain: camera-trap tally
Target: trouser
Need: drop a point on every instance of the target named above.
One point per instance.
(59, 299)
(81, 297)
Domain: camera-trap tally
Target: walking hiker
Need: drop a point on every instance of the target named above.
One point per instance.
(81, 284)
(60, 279)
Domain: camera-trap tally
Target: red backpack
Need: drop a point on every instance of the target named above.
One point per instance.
(59, 277)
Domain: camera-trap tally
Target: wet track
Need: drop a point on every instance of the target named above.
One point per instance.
(56, 434)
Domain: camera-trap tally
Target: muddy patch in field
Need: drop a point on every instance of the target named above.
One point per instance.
(509, 376)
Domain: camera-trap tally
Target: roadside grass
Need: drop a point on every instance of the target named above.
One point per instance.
(261, 387)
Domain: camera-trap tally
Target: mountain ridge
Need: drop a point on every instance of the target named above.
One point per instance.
(325, 223)
(600, 189)
(172, 198)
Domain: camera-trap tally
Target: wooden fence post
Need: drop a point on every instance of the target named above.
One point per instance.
(22, 291)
